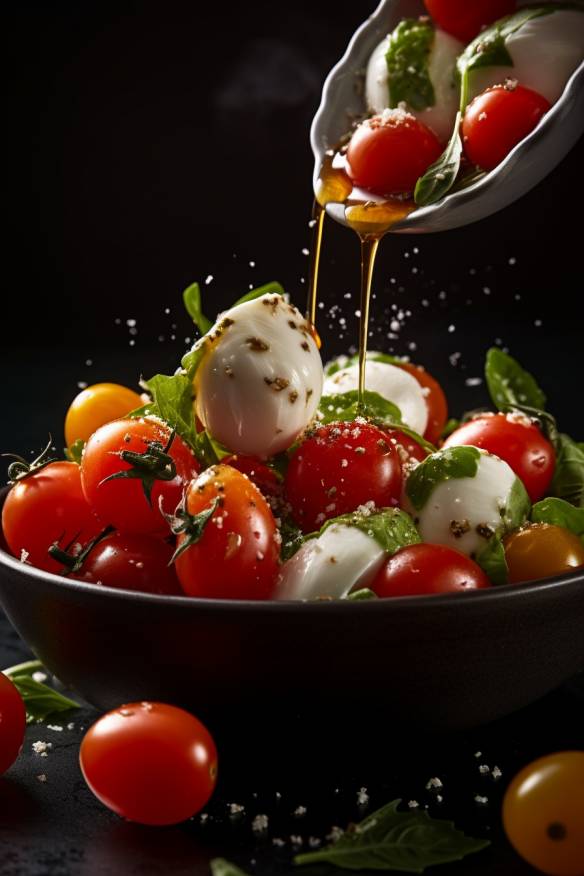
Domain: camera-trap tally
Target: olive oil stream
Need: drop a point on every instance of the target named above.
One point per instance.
(371, 221)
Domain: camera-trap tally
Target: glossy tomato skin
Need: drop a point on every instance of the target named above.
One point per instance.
(516, 440)
(238, 554)
(97, 405)
(122, 503)
(464, 19)
(408, 449)
(12, 723)
(542, 550)
(339, 467)
(435, 400)
(264, 477)
(131, 561)
(46, 507)
(388, 157)
(543, 813)
(422, 569)
(150, 762)
(496, 120)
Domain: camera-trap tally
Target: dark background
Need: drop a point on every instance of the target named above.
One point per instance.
(154, 144)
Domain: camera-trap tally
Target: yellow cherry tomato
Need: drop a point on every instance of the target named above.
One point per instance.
(543, 813)
(542, 550)
(97, 405)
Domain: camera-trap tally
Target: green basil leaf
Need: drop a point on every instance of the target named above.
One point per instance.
(510, 384)
(40, 700)
(292, 538)
(192, 302)
(516, 512)
(207, 450)
(407, 59)
(391, 528)
(173, 399)
(221, 867)
(441, 176)
(559, 513)
(359, 595)
(391, 840)
(344, 407)
(568, 480)
(493, 562)
(451, 462)
(450, 427)
(272, 288)
(75, 451)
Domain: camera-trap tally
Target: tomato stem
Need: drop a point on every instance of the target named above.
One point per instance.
(73, 562)
(153, 464)
(21, 469)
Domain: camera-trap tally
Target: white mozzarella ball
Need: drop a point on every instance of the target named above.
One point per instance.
(260, 380)
(441, 67)
(389, 381)
(331, 565)
(545, 52)
(463, 513)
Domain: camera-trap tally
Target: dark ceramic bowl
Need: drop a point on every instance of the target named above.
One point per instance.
(447, 661)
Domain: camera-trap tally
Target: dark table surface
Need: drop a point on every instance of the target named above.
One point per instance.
(155, 145)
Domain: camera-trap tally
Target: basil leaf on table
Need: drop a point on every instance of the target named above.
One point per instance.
(451, 462)
(41, 701)
(510, 384)
(393, 840)
(407, 59)
(344, 407)
(559, 513)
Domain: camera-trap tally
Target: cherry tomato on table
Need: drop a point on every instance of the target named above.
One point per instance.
(237, 554)
(542, 550)
(388, 155)
(95, 406)
(543, 813)
(339, 467)
(131, 561)
(150, 762)
(465, 18)
(44, 507)
(12, 723)
(146, 467)
(435, 400)
(496, 120)
(421, 569)
(516, 440)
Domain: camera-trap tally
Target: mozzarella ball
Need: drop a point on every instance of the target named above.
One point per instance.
(331, 565)
(545, 52)
(260, 379)
(389, 381)
(441, 70)
(463, 513)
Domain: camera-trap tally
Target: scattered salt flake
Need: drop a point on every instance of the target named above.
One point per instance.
(39, 677)
(300, 811)
(482, 801)
(208, 279)
(451, 328)
(41, 747)
(433, 783)
(277, 841)
(296, 840)
(484, 769)
(204, 817)
(305, 251)
(82, 384)
(358, 314)
(512, 260)
(278, 795)
(314, 842)
(260, 824)
(312, 223)
(439, 798)
(131, 323)
(89, 362)
(252, 264)
(486, 290)
(496, 773)
(71, 726)
(335, 834)
(362, 797)
(537, 322)
(56, 727)
(473, 381)
(482, 116)
(478, 754)
(413, 804)
(235, 808)
(42, 778)
(24, 555)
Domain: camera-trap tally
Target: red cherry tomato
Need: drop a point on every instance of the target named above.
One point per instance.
(496, 120)
(516, 440)
(264, 477)
(339, 467)
(387, 156)
(12, 723)
(465, 18)
(130, 561)
(46, 507)
(237, 555)
(123, 502)
(407, 448)
(150, 762)
(428, 568)
(435, 400)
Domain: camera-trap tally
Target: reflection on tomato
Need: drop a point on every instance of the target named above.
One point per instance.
(543, 813)
(542, 550)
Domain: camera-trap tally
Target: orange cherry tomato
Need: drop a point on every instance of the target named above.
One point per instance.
(150, 762)
(97, 405)
(542, 550)
(543, 813)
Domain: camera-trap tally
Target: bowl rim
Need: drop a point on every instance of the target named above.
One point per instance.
(542, 588)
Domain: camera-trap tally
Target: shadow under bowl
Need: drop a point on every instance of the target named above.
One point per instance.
(447, 662)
